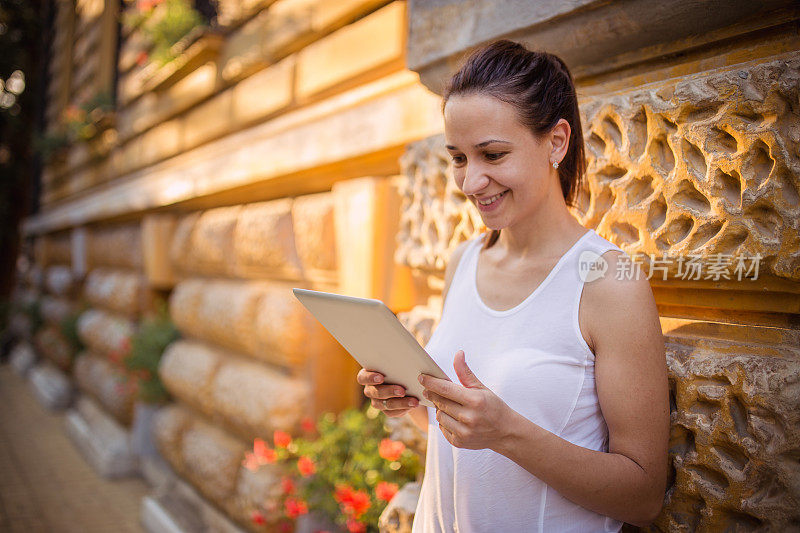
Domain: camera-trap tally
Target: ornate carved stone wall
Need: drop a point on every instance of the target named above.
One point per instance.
(703, 165)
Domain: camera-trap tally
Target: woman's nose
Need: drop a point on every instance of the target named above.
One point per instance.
(474, 181)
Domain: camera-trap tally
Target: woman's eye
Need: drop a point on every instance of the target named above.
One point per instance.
(458, 159)
(494, 156)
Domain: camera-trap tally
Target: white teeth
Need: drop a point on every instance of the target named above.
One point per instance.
(492, 199)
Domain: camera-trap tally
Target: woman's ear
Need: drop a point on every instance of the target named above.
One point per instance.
(559, 140)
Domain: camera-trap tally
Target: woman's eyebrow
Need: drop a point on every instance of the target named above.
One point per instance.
(480, 145)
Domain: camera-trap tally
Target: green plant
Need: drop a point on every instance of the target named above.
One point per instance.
(348, 473)
(69, 330)
(143, 355)
(161, 24)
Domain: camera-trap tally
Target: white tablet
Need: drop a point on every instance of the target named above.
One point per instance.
(371, 333)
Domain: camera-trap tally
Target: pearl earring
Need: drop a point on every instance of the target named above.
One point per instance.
(555, 164)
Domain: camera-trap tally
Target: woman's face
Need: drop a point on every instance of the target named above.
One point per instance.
(492, 153)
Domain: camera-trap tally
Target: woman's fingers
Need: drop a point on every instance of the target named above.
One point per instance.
(383, 392)
(367, 377)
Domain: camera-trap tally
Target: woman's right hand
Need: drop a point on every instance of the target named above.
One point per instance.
(389, 398)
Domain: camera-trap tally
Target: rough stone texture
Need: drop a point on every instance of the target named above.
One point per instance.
(247, 397)
(114, 246)
(286, 333)
(51, 387)
(203, 242)
(104, 332)
(707, 164)
(53, 249)
(51, 344)
(22, 358)
(58, 280)
(209, 458)
(116, 290)
(399, 513)
(315, 234)
(696, 166)
(735, 440)
(97, 377)
(202, 454)
(54, 310)
(264, 242)
(435, 215)
(101, 440)
(220, 311)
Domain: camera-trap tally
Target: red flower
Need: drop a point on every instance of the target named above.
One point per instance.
(141, 58)
(352, 502)
(287, 485)
(257, 518)
(391, 449)
(264, 452)
(282, 439)
(295, 507)
(354, 526)
(308, 425)
(386, 491)
(306, 466)
(125, 345)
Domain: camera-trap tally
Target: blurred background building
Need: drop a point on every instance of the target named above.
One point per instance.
(212, 155)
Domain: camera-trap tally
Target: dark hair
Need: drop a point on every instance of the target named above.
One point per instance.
(539, 85)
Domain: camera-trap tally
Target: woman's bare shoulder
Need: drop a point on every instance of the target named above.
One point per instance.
(452, 263)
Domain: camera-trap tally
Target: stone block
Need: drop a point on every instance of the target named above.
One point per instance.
(264, 92)
(208, 120)
(50, 343)
(286, 333)
(264, 243)
(162, 141)
(97, 377)
(315, 235)
(204, 243)
(187, 369)
(220, 311)
(54, 310)
(171, 422)
(246, 396)
(104, 332)
(158, 232)
(59, 280)
(22, 358)
(211, 460)
(342, 55)
(101, 440)
(51, 387)
(114, 246)
(119, 291)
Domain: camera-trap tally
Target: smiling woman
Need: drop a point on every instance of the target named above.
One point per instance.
(559, 422)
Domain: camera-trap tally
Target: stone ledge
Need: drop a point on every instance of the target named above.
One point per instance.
(101, 440)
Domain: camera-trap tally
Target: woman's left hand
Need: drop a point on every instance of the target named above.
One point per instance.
(471, 416)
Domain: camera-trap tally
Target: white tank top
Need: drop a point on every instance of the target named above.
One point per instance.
(535, 359)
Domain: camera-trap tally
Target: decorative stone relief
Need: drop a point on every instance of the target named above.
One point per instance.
(706, 165)
(115, 290)
(435, 215)
(735, 441)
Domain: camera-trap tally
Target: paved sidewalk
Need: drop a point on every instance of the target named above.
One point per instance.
(45, 484)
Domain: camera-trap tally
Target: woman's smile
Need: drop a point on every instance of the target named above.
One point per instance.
(487, 205)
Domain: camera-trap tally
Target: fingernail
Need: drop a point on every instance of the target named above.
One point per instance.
(412, 403)
(398, 391)
(421, 379)
(376, 379)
